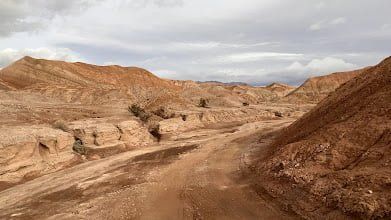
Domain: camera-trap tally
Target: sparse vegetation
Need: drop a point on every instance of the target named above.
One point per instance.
(60, 124)
(203, 103)
(184, 117)
(139, 112)
(154, 130)
(164, 113)
(79, 147)
(151, 119)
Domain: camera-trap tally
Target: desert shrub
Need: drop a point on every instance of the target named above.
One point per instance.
(154, 131)
(203, 103)
(136, 110)
(60, 124)
(139, 112)
(79, 147)
(246, 104)
(163, 113)
(184, 117)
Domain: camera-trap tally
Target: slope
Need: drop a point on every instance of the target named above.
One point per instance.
(317, 88)
(337, 158)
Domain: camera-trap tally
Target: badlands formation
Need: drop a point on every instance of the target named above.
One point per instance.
(81, 141)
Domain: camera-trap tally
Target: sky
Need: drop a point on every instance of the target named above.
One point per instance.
(253, 41)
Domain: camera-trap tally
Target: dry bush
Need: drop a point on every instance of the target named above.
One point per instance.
(139, 112)
(203, 103)
(62, 125)
(155, 131)
(163, 113)
(184, 117)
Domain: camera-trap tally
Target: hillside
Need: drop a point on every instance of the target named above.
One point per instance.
(92, 84)
(337, 157)
(3, 85)
(280, 89)
(86, 83)
(317, 88)
(40, 91)
(28, 72)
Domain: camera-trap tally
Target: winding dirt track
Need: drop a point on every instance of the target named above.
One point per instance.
(195, 175)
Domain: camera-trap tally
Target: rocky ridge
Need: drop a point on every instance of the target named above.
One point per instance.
(337, 157)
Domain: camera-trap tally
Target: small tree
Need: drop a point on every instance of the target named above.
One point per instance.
(203, 103)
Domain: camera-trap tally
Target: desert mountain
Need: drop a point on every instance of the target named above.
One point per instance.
(337, 157)
(29, 72)
(224, 83)
(91, 84)
(317, 88)
(85, 83)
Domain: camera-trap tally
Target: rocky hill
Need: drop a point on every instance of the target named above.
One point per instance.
(91, 84)
(337, 157)
(86, 83)
(35, 91)
(317, 88)
(280, 89)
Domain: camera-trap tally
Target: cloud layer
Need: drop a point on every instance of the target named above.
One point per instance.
(227, 40)
(10, 55)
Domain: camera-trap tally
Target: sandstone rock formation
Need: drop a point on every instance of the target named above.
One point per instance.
(100, 134)
(31, 150)
(203, 118)
(133, 134)
(338, 156)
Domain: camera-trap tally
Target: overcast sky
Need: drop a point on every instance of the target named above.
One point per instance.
(227, 40)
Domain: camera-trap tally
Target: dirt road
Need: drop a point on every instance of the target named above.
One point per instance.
(195, 175)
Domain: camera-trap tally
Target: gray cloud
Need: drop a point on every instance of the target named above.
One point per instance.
(159, 3)
(10, 55)
(31, 15)
(227, 40)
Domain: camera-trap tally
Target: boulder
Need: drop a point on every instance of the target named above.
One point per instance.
(133, 134)
(95, 132)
